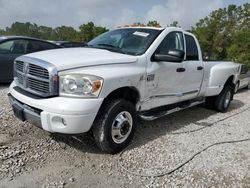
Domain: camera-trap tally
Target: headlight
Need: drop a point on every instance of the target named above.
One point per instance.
(80, 85)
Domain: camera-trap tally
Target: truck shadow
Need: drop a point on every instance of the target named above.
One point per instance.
(83, 142)
(4, 85)
(150, 130)
(242, 91)
(177, 122)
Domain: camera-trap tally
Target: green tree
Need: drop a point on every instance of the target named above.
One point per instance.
(153, 24)
(222, 32)
(45, 32)
(2, 32)
(64, 33)
(239, 49)
(89, 31)
(174, 24)
(24, 29)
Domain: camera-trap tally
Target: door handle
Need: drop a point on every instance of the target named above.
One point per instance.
(181, 70)
(200, 68)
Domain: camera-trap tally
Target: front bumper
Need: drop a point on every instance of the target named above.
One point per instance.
(57, 114)
(24, 112)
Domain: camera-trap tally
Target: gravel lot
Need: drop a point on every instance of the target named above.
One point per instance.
(30, 157)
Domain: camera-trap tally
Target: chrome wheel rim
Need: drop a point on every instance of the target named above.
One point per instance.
(227, 99)
(121, 127)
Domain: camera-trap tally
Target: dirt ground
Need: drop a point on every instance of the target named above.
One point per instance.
(31, 157)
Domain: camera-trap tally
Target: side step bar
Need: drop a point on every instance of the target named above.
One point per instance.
(164, 113)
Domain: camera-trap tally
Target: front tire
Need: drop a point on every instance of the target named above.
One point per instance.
(115, 126)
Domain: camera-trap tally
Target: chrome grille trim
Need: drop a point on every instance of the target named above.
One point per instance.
(38, 71)
(36, 76)
(19, 66)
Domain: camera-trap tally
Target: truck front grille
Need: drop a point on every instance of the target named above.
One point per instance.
(38, 71)
(20, 78)
(38, 85)
(19, 66)
(37, 77)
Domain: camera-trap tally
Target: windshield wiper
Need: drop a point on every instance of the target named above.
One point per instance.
(88, 45)
(108, 45)
(111, 48)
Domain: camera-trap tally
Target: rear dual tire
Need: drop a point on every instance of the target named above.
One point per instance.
(221, 102)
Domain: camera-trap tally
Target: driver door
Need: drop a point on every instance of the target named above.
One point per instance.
(164, 81)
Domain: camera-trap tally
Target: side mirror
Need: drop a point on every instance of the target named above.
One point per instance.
(174, 55)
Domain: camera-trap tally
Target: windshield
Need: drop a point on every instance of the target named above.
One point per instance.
(133, 41)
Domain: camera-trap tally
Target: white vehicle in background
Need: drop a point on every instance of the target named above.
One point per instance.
(243, 78)
(122, 74)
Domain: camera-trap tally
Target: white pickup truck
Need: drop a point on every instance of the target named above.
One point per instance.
(120, 75)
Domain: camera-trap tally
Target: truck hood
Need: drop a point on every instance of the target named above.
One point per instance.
(70, 58)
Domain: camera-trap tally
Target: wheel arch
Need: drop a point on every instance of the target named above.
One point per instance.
(129, 93)
(231, 81)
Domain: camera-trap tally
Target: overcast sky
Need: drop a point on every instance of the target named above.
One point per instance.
(109, 13)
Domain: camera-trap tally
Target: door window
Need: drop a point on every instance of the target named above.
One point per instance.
(36, 46)
(244, 69)
(13, 47)
(5, 47)
(173, 41)
(191, 49)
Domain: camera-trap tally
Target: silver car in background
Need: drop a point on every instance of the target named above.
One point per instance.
(243, 78)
